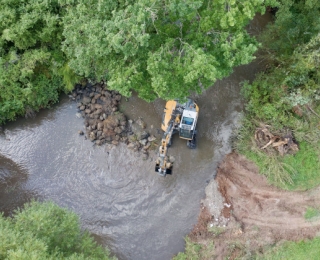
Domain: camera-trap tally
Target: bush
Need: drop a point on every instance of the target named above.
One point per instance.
(46, 231)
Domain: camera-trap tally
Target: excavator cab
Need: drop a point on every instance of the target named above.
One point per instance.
(177, 118)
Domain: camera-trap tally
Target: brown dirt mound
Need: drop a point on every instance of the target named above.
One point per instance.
(259, 214)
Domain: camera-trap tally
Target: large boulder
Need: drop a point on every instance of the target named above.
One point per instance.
(108, 132)
(142, 135)
(111, 122)
(92, 136)
(86, 100)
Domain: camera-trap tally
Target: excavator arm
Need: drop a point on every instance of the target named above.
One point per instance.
(163, 164)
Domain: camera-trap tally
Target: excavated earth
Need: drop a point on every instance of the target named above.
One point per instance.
(254, 214)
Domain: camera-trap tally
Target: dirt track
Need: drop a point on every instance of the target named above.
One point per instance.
(259, 214)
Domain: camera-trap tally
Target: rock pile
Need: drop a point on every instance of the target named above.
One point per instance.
(104, 123)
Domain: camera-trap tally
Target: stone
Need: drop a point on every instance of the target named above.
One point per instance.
(111, 122)
(118, 97)
(80, 132)
(147, 146)
(142, 135)
(98, 106)
(114, 142)
(96, 96)
(118, 130)
(142, 124)
(100, 125)
(82, 108)
(92, 136)
(86, 100)
(97, 112)
(143, 142)
(108, 132)
(152, 138)
(131, 146)
(132, 138)
(107, 93)
(78, 115)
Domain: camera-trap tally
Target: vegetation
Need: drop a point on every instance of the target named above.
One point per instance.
(46, 231)
(30, 56)
(308, 249)
(159, 48)
(311, 213)
(286, 96)
(164, 49)
(195, 251)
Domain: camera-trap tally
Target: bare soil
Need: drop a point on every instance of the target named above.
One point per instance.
(254, 214)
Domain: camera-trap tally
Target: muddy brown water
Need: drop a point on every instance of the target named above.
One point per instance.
(118, 196)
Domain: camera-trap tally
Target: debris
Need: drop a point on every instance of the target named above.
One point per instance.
(284, 144)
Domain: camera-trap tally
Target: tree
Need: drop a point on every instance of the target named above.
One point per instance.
(46, 231)
(158, 48)
(31, 59)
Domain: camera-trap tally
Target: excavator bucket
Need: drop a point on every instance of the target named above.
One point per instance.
(163, 171)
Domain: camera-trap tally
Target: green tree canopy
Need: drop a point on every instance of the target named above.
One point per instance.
(46, 231)
(159, 48)
(30, 56)
(166, 49)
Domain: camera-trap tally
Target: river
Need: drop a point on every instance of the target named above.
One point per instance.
(118, 196)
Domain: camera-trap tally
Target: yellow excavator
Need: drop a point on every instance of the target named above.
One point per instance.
(177, 118)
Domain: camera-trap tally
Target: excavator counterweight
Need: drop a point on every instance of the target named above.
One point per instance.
(177, 118)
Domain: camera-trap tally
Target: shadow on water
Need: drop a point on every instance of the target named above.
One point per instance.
(13, 193)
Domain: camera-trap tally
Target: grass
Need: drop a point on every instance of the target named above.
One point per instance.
(216, 230)
(195, 251)
(311, 213)
(300, 171)
(304, 167)
(309, 249)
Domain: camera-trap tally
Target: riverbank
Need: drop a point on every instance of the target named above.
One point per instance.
(254, 216)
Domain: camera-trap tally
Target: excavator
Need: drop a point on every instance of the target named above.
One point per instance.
(177, 118)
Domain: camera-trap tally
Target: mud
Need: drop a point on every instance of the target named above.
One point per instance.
(256, 214)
